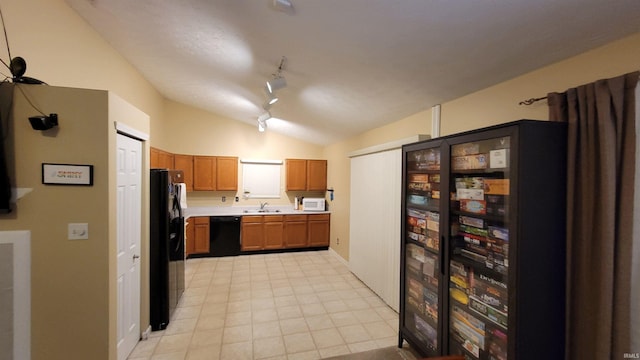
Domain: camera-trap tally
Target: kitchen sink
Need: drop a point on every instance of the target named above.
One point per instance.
(251, 211)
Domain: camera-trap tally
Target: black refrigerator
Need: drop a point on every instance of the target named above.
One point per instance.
(166, 248)
(483, 243)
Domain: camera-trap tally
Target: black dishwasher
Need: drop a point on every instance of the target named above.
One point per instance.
(224, 236)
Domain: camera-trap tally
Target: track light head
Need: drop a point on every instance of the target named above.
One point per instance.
(278, 82)
(262, 121)
(271, 99)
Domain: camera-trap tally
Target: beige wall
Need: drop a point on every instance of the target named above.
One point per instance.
(72, 282)
(61, 49)
(191, 131)
(494, 105)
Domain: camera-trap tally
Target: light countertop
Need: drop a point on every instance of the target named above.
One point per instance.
(245, 211)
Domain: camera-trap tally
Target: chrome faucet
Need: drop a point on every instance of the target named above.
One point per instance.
(263, 204)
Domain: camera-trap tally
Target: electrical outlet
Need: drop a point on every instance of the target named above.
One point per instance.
(337, 241)
(224, 198)
(78, 231)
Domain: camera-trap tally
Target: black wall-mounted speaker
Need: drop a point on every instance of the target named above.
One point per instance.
(43, 122)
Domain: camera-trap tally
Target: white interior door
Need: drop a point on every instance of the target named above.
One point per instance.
(129, 163)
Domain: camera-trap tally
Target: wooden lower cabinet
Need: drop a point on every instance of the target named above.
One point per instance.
(197, 235)
(252, 233)
(273, 232)
(189, 237)
(295, 231)
(201, 235)
(273, 227)
(319, 227)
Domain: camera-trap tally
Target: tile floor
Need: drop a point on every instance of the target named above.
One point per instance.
(302, 305)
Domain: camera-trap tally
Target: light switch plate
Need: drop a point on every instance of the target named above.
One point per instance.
(78, 231)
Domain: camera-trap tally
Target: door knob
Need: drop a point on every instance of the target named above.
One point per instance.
(136, 257)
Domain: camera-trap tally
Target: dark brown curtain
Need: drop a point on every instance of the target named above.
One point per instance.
(601, 168)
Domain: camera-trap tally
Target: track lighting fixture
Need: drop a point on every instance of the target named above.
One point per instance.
(278, 81)
(271, 98)
(262, 121)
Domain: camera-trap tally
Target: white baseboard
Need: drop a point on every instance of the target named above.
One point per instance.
(145, 334)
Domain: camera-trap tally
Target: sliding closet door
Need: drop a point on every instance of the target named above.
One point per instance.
(374, 235)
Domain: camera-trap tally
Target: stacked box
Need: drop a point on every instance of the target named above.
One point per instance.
(433, 240)
(496, 205)
(491, 292)
(417, 225)
(469, 162)
(469, 329)
(497, 344)
(426, 332)
(474, 206)
(496, 186)
(430, 303)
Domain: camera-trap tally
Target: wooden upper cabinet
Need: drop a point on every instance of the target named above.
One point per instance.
(316, 175)
(306, 175)
(185, 163)
(296, 174)
(226, 173)
(154, 158)
(204, 173)
(160, 159)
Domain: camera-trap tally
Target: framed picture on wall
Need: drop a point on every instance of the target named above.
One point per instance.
(67, 174)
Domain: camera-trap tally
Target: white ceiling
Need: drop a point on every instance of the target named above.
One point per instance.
(351, 65)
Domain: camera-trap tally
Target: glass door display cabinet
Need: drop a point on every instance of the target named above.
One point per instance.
(421, 274)
(502, 236)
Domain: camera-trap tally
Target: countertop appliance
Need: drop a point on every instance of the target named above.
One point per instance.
(166, 248)
(313, 204)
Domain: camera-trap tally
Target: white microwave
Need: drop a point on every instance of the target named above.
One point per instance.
(313, 204)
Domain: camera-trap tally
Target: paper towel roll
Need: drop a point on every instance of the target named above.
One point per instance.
(183, 195)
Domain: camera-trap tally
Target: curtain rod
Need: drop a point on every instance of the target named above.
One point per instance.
(531, 101)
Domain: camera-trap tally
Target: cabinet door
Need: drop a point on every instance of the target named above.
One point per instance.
(319, 230)
(422, 279)
(185, 163)
(479, 230)
(165, 160)
(295, 231)
(227, 173)
(296, 174)
(273, 232)
(252, 236)
(204, 173)
(154, 158)
(190, 237)
(316, 175)
(201, 235)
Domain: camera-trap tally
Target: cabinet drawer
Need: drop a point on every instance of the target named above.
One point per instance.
(319, 217)
(295, 218)
(252, 219)
(272, 218)
(201, 220)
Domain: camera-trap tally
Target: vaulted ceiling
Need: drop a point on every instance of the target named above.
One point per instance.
(351, 65)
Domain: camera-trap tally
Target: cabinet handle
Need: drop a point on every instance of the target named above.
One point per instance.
(135, 256)
(442, 243)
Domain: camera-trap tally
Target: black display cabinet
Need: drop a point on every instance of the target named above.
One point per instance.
(483, 243)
